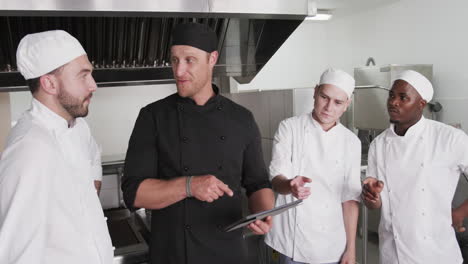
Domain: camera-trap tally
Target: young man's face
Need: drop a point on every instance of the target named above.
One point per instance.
(330, 103)
(76, 86)
(192, 69)
(404, 104)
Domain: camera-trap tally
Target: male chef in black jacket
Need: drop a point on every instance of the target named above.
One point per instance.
(188, 158)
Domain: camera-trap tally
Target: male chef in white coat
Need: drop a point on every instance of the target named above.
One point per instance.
(316, 149)
(414, 167)
(49, 209)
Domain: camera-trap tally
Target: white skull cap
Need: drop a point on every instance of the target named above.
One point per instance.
(43, 52)
(420, 83)
(340, 79)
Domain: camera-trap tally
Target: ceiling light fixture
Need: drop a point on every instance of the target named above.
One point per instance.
(319, 17)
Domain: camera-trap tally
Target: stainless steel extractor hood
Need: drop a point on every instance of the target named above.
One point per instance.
(128, 41)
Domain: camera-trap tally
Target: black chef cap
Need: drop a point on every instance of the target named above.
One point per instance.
(195, 35)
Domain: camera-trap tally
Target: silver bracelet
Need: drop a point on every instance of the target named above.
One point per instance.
(188, 186)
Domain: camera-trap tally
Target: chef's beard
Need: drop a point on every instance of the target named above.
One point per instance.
(73, 106)
(394, 121)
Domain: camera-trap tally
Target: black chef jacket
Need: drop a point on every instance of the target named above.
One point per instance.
(174, 137)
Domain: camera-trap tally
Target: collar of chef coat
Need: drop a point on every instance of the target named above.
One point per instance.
(314, 124)
(53, 121)
(414, 131)
(213, 100)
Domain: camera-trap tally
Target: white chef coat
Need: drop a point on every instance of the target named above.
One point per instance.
(314, 232)
(49, 209)
(420, 171)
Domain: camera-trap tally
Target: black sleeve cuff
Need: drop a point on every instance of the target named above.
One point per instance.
(253, 188)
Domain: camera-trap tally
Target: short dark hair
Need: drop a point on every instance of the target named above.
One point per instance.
(35, 83)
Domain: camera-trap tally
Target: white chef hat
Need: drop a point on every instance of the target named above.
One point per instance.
(338, 78)
(43, 52)
(420, 83)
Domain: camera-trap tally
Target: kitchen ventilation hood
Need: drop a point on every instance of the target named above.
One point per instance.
(128, 41)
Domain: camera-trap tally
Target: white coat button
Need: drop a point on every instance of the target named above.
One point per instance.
(422, 164)
(422, 189)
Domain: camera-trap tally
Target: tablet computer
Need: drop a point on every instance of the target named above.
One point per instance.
(251, 218)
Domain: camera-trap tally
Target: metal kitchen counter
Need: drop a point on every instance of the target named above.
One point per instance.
(129, 236)
(129, 231)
